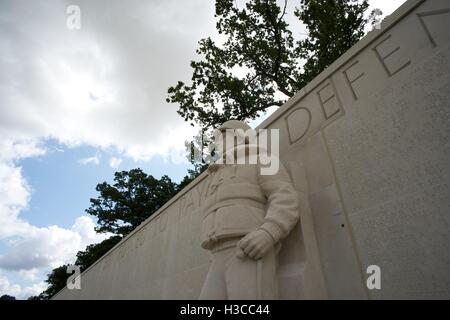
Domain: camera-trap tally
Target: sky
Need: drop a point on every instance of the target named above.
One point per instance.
(77, 105)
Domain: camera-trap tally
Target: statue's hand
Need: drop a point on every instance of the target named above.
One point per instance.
(256, 244)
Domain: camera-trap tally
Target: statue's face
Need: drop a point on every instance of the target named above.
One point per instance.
(225, 139)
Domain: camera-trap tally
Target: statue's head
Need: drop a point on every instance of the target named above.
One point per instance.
(233, 125)
(231, 134)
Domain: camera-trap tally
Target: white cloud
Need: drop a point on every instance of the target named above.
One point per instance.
(49, 247)
(14, 197)
(386, 6)
(13, 148)
(115, 162)
(8, 288)
(47, 86)
(32, 251)
(30, 275)
(16, 290)
(94, 160)
(32, 290)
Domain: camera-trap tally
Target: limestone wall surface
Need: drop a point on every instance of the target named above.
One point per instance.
(367, 144)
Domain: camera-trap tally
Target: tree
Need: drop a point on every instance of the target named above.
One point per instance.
(133, 197)
(192, 174)
(93, 252)
(334, 26)
(272, 65)
(7, 297)
(56, 280)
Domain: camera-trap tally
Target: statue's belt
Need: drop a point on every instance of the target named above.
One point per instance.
(223, 244)
(229, 203)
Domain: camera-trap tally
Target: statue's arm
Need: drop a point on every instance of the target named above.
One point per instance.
(283, 205)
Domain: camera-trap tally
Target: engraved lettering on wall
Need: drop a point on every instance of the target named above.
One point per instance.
(329, 100)
(386, 52)
(428, 32)
(141, 235)
(186, 205)
(351, 76)
(163, 217)
(106, 262)
(122, 251)
(191, 202)
(298, 122)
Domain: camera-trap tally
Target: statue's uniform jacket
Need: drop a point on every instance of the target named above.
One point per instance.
(238, 199)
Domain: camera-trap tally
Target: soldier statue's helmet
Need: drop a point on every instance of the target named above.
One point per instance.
(234, 124)
(239, 128)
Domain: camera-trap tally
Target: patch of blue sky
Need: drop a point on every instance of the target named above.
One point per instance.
(62, 186)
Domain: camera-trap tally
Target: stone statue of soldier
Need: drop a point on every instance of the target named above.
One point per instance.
(246, 215)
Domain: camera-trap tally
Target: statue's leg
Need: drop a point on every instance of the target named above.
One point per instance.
(247, 279)
(214, 286)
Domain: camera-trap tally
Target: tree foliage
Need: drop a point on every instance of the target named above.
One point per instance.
(192, 174)
(133, 197)
(334, 26)
(93, 252)
(56, 281)
(260, 64)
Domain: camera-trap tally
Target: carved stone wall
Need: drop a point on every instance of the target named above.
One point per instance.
(367, 144)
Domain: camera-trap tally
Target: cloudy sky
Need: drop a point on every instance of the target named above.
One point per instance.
(78, 105)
